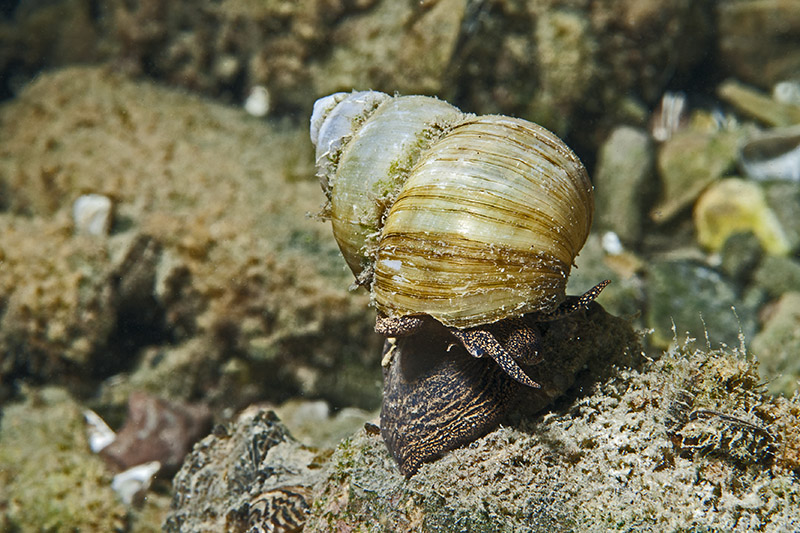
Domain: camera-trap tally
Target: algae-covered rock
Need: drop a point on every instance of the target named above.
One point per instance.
(49, 478)
(689, 443)
(753, 103)
(395, 46)
(693, 298)
(777, 346)
(690, 161)
(784, 200)
(573, 65)
(213, 258)
(777, 275)
(623, 180)
(757, 39)
(740, 255)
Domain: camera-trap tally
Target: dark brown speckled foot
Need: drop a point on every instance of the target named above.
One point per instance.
(436, 397)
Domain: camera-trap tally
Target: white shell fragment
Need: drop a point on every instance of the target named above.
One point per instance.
(131, 484)
(258, 102)
(774, 154)
(93, 214)
(97, 431)
(611, 243)
(669, 117)
(787, 92)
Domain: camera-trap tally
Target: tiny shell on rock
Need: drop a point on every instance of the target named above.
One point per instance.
(93, 214)
(97, 431)
(258, 102)
(131, 484)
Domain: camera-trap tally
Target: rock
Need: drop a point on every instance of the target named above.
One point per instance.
(573, 66)
(732, 206)
(43, 438)
(679, 445)
(777, 275)
(212, 252)
(754, 103)
(157, 430)
(773, 154)
(784, 200)
(623, 181)
(777, 346)
(394, 47)
(756, 40)
(247, 474)
(687, 297)
(690, 161)
(740, 256)
(314, 424)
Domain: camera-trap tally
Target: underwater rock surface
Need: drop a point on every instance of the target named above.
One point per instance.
(44, 439)
(250, 475)
(213, 278)
(689, 442)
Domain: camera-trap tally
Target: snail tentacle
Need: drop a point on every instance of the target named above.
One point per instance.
(575, 305)
(480, 342)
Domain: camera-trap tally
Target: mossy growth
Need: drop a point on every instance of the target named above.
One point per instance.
(692, 442)
(49, 478)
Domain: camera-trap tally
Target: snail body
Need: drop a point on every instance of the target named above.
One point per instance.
(457, 223)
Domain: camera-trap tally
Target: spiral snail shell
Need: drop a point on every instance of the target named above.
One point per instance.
(467, 219)
(472, 222)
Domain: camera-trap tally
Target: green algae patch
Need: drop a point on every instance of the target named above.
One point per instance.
(49, 478)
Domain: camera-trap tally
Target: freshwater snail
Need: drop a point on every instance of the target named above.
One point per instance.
(451, 220)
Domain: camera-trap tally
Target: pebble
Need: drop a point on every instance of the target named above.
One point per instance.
(258, 103)
(93, 214)
(157, 430)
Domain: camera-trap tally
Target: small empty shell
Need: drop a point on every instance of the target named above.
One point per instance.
(93, 214)
(131, 484)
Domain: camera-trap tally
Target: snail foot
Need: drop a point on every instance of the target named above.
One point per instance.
(437, 397)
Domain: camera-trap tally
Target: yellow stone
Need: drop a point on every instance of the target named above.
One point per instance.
(734, 205)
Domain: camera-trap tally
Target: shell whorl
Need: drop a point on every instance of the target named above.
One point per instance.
(467, 219)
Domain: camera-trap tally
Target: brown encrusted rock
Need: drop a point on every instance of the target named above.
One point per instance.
(250, 475)
(568, 64)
